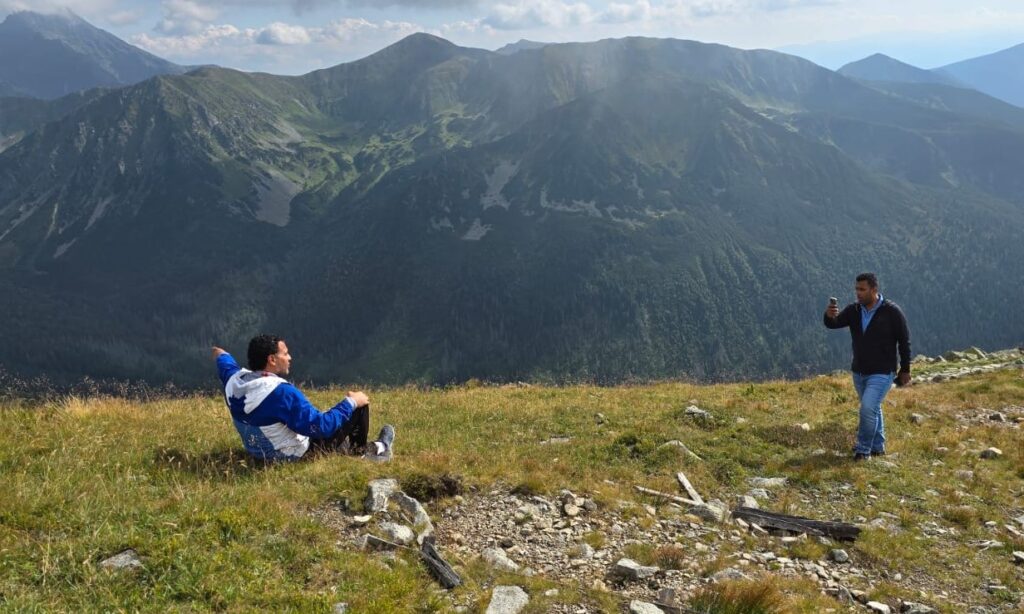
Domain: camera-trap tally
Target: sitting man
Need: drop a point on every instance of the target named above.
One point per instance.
(277, 422)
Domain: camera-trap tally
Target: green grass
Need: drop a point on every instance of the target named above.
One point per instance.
(85, 479)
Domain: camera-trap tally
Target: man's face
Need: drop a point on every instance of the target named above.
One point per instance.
(279, 363)
(865, 293)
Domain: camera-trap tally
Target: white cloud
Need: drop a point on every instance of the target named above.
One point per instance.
(530, 14)
(626, 12)
(280, 47)
(186, 17)
(283, 34)
(125, 18)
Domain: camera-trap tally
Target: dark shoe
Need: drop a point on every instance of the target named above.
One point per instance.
(385, 437)
(860, 456)
(878, 453)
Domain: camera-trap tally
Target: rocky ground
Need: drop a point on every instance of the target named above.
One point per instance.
(586, 543)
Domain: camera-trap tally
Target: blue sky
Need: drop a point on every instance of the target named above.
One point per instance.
(296, 36)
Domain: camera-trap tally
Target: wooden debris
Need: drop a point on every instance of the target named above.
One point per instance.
(665, 495)
(690, 490)
(439, 568)
(798, 524)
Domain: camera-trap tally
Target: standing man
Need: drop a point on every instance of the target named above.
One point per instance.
(277, 422)
(878, 329)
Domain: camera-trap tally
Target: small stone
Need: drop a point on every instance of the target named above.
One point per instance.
(965, 474)
(697, 412)
(747, 501)
(729, 573)
(1018, 557)
(997, 417)
(497, 559)
(590, 505)
(339, 608)
(358, 521)
(397, 533)
(507, 600)
(551, 592)
(571, 510)
(839, 556)
(758, 493)
(910, 607)
(599, 585)
(767, 482)
(630, 570)
(992, 453)
(711, 511)
(582, 551)
(128, 559)
(378, 494)
(642, 607)
(881, 608)
(916, 418)
(805, 427)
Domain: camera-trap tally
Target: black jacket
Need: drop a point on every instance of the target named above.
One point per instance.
(874, 350)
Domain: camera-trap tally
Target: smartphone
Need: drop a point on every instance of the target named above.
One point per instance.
(833, 301)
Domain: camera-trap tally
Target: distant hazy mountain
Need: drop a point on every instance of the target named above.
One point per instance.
(622, 209)
(51, 55)
(519, 45)
(999, 74)
(880, 67)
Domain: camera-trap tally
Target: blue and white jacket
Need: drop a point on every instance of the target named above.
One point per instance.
(274, 419)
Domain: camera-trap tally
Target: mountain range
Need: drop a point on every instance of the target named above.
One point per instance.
(52, 55)
(625, 209)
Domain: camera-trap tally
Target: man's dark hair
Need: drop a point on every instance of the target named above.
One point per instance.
(260, 347)
(870, 278)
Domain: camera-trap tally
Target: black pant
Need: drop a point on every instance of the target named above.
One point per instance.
(356, 430)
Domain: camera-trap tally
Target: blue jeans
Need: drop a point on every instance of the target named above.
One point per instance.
(871, 431)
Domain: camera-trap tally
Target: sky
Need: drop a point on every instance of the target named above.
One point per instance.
(297, 36)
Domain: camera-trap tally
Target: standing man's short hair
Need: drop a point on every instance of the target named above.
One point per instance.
(871, 278)
(260, 348)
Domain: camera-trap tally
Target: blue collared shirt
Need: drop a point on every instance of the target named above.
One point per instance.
(866, 314)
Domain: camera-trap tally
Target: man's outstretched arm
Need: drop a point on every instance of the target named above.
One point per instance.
(304, 418)
(226, 365)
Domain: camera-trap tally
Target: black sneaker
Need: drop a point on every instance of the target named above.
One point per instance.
(860, 456)
(386, 437)
(878, 453)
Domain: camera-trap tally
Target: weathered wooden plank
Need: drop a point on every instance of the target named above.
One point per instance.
(685, 483)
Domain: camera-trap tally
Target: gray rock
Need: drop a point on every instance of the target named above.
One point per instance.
(507, 600)
(630, 570)
(372, 542)
(378, 493)
(711, 511)
(1018, 557)
(340, 608)
(767, 482)
(416, 513)
(881, 608)
(582, 551)
(747, 501)
(642, 607)
(497, 559)
(397, 533)
(997, 417)
(570, 510)
(992, 453)
(128, 559)
(839, 556)
(910, 607)
(758, 493)
(917, 418)
(697, 412)
(729, 573)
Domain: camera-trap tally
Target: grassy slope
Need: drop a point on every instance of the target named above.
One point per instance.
(83, 480)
